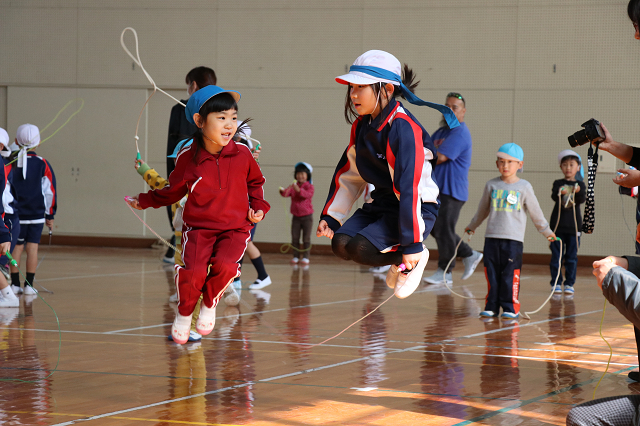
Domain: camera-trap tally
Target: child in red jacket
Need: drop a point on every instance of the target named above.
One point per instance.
(224, 184)
(301, 193)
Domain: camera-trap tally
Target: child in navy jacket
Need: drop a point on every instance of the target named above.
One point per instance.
(224, 183)
(35, 185)
(390, 149)
(7, 298)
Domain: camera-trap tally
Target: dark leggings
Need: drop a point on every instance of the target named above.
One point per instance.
(361, 251)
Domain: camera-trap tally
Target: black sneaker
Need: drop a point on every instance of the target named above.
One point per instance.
(634, 375)
(169, 255)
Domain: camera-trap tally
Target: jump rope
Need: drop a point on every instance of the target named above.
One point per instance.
(285, 247)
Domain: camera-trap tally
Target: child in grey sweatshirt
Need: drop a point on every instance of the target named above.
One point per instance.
(505, 202)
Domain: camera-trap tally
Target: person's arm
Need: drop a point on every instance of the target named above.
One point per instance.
(170, 194)
(555, 189)
(484, 208)
(255, 187)
(530, 203)
(346, 187)
(581, 196)
(306, 191)
(457, 141)
(49, 191)
(622, 289)
(442, 158)
(619, 150)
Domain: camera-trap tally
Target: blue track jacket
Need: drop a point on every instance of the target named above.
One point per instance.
(395, 154)
(37, 196)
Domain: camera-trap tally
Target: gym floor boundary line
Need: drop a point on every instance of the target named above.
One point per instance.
(425, 345)
(535, 399)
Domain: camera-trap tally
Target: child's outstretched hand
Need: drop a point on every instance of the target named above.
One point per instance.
(469, 231)
(133, 202)
(254, 216)
(324, 230)
(552, 237)
(138, 163)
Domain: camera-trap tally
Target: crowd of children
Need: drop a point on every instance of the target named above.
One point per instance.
(29, 202)
(216, 190)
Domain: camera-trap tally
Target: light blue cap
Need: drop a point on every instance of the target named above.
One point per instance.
(203, 95)
(182, 144)
(511, 151)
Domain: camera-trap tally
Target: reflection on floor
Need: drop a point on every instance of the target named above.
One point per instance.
(427, 359)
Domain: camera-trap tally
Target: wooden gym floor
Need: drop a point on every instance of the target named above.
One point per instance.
(427, 359)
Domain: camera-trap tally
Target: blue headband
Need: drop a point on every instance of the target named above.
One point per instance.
(452, 121)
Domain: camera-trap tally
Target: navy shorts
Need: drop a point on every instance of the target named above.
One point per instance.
(379, 225)
(30, 233)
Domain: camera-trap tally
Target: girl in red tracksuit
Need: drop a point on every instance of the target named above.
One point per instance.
(224, 183)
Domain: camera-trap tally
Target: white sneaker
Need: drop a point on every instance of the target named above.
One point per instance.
(206, 320)
(408, 282)
(181, 328)
(9, 303)
(438, 277)
(231, 296)
(30, 291)
(295, 260)
(173, 298)
(471, 263)
(380, 269)
(304, 261)
(392, 276)
(16, 289)
(259, 284)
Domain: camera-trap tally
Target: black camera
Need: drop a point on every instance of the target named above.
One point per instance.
(592, 133)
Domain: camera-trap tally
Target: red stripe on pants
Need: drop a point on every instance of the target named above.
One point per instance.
(516, 290)
(210, 264)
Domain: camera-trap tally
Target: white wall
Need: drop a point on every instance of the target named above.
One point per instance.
(283, 56)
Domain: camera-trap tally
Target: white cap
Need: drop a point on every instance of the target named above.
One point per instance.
(567, 153)
(372, 58)
(28, 136)
(4, 137)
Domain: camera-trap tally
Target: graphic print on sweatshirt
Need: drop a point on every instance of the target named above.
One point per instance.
(506, 201)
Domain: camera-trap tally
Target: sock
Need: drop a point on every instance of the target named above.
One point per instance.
(7, 293)
(30, 277)
(15, 278)
(259, 265)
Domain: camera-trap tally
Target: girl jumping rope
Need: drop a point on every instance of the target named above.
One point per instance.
(224, 184)
(390, 149)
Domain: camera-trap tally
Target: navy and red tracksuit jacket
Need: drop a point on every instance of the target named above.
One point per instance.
(37, 195)
(221, 188)
(9, 195)
(395, 154)
(5, 232)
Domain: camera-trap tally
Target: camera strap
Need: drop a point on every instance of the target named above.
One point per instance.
(589, 220)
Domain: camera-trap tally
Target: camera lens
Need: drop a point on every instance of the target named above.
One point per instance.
(578, 138)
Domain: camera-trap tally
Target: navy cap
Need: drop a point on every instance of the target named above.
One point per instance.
(203, 95)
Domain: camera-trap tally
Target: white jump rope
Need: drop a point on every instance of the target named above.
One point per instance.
(525, 315)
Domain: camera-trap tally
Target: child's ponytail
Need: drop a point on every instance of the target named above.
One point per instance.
(408, 77)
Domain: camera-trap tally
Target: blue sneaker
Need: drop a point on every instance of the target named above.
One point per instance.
(569, 289)
(557, 289)
(509, 315)
(487, 314)
(193, 337)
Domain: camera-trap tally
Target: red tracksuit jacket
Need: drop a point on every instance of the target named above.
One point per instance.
(221, 188)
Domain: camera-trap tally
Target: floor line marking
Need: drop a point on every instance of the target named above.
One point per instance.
(535, 399)
(242, 385)
(99, 275)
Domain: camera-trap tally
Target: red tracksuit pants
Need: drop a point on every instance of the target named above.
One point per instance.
(210, 265)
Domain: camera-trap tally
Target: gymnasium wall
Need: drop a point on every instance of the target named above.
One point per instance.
(531, 71)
